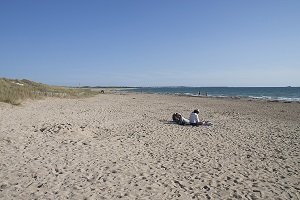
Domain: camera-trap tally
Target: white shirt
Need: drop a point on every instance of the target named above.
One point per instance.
(185, 121)
(194, 118)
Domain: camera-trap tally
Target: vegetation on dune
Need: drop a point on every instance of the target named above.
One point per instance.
(15, 91)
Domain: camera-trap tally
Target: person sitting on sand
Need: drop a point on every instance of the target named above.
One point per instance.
(179, 119)
(194, 119)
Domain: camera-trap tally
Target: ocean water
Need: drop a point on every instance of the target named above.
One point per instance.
(268, 93)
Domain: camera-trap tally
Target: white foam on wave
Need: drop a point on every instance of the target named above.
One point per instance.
(276, 98)
(233, 96)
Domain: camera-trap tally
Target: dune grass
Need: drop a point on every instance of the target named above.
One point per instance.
(16, 91)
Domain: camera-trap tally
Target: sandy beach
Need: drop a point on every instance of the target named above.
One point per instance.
(124, 146)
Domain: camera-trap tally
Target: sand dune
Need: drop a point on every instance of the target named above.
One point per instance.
(124, 146)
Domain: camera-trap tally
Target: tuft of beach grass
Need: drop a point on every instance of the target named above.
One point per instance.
(15, 91)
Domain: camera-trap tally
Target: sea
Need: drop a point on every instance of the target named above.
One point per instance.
(286, 94)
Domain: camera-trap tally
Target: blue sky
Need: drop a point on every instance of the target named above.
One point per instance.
(151, 42)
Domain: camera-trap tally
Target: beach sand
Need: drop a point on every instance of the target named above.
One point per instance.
(114, 146)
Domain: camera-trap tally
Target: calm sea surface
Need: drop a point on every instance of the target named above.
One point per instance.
(269, 93)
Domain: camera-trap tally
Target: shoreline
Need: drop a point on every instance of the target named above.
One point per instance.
(284, 94)
(217, 97)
